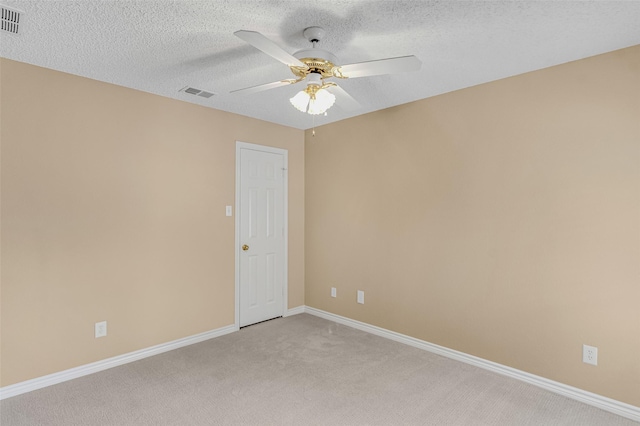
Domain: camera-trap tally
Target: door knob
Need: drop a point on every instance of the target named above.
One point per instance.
(245, 247)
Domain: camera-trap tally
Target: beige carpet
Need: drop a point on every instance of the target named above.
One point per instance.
(300, 370)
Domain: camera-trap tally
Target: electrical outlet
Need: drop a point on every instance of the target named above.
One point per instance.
(590, 354)
(361, 297)
(101, 329)
(333, 292)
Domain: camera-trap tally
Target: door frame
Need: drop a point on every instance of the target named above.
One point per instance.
(285, 284)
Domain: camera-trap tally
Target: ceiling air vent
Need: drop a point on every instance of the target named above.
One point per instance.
(10, 20)
(197, 92)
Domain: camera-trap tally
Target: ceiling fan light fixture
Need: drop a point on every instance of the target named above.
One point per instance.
(313, 100)
(300, 101)
(322, 102)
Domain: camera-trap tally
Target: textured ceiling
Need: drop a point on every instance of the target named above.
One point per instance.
(162, 46)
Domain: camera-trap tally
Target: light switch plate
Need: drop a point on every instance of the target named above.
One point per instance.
(229, 211)
(101, 329)
(361, 297)
(334, 292)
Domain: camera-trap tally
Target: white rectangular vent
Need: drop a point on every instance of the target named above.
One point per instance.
(197, 92)
(10, 20)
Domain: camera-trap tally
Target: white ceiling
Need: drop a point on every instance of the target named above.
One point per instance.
(162, 46)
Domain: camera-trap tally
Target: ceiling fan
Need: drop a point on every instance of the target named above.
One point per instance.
(316, 66)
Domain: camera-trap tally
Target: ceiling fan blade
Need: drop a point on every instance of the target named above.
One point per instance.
(262, 87)
(344, 99)
(381, 66)
(260, 42)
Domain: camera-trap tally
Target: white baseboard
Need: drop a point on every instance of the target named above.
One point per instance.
(611, 405)
(294, 311)
(94, 367)
(620, 408)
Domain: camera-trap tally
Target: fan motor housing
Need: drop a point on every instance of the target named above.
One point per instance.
(317, 60)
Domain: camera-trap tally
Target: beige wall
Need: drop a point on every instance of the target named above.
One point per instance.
(113, 208)
(502, 221)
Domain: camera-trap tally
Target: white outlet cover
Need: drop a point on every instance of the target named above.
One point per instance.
(590, 354)
(334, 292)
(361, 297)
(229, 211)
(101, 329)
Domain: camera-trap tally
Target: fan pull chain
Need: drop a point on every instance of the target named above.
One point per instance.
(313, 132)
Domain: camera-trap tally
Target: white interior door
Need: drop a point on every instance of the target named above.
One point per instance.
(262, 233)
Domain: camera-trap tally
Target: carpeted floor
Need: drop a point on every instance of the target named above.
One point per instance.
(300, 370)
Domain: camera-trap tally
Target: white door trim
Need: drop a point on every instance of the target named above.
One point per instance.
(285, 285)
